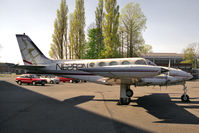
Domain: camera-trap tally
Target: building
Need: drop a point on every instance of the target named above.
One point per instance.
(163, 59)
(5, 68)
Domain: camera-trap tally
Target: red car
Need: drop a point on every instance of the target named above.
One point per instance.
(30, 79)
(71, 80)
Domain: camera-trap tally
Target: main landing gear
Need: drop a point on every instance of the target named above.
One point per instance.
(185, 97)
(125, 94)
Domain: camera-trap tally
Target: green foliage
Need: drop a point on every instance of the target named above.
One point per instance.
(99, 16)
(132, 23)
(58, 49)
(77, 25)
(186, 61)
(71, 37)
(110, 28)
(91, 50)
(190, 54)
(143, 49)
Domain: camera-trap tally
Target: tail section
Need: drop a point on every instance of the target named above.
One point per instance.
(30, 52)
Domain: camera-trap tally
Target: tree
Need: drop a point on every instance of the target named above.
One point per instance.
(99, 16)
(71, 37)
(58, 49)
(144, 49)
(133, 22)
(91, 50)
(77, 29)
(110, 28)
(190, 54)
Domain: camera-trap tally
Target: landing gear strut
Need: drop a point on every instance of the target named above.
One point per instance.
(125, 94)
(185, 97)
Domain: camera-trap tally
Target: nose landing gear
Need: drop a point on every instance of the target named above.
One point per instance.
(185, 97)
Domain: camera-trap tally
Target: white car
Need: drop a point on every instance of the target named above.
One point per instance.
(50, 79)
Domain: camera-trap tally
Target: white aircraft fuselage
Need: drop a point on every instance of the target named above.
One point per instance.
(123, 71)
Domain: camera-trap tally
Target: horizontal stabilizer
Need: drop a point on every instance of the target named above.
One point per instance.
(28, 67)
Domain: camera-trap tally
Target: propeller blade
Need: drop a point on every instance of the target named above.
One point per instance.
(169, 66)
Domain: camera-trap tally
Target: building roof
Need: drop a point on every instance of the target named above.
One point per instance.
(163, 55)
(6, 64)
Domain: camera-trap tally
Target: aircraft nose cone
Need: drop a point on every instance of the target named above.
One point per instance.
(189, 76)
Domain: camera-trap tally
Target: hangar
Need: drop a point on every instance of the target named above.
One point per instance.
(162, 59)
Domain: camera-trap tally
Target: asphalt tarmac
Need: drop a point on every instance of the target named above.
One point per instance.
(91, 108)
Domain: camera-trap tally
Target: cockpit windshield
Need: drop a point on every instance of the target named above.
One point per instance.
(150, 63)
(140, 62)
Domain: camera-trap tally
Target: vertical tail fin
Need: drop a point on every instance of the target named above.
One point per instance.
(30, 52)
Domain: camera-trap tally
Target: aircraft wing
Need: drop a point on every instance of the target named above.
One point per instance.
(126, 71)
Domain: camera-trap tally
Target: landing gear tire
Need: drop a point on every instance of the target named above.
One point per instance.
(124, 101)
(129, 93)
(185, 98)
(125, 94)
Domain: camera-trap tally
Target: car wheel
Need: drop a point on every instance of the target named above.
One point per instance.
(52, 82)
(19, 82)
(43, 83)
(33, 83)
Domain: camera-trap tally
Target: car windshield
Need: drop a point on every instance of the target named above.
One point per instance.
(33, 76)
(52, 76)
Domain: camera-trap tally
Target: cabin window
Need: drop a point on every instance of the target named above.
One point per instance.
(140, 62)
(125, 62)
(113, 63)
(102, 64)
(92, 64)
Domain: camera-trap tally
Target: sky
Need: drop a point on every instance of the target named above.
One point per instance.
(171, 24)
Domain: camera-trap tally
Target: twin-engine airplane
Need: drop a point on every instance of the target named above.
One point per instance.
(122, 71)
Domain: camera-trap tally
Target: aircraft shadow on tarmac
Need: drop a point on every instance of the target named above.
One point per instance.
(161, 106)
(22, 110)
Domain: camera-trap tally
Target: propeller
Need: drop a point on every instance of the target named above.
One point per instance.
(168, 73)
